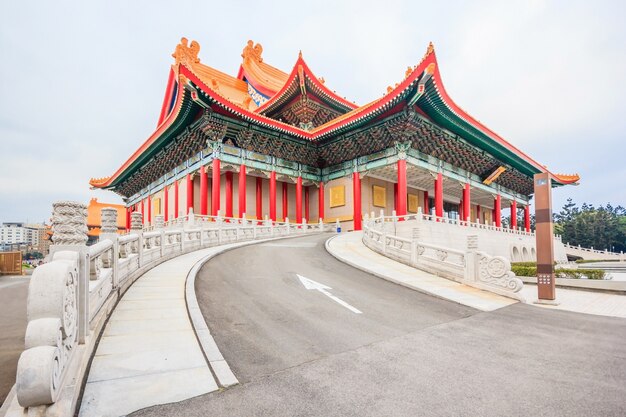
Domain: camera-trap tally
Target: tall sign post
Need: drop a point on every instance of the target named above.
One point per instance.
(544, 234)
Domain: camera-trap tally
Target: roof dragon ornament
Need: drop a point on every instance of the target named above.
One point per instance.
(187, 55)
(252, 51)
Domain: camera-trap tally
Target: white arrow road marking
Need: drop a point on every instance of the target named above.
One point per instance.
(309, 284)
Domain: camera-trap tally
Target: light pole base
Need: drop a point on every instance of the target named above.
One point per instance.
(547, 302)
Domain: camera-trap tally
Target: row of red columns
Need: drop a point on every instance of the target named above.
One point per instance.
(215, 196)
(400, 191)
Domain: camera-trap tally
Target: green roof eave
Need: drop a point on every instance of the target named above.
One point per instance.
(184, 118)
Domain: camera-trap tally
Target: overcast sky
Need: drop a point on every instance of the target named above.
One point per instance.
(81, 84)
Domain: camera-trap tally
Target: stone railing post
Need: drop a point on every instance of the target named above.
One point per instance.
(58, 315)
(321, 223)
(69, 233)
(304, 225)
(288, 225)
(109, 231)
(218, 220)
(471, 264)
(383, 241)
(136, 227)
(191, 219)
(159, 221)
(414, 241)
(159, 224)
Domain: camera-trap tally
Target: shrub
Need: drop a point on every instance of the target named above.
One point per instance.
(529, 269)
(524, 270)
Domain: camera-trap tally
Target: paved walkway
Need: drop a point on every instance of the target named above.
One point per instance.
(582, 301)
(149, 353)
(349, 248)
(13, 293)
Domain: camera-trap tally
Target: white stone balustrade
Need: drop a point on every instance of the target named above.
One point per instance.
(469, 266)
(515, 245)
(71, 296)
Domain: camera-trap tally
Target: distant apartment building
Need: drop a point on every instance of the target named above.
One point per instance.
(32, 237)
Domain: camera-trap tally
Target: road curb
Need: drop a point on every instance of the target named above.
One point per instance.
(218, 365)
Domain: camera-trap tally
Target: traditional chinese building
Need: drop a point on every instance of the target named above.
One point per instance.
(284, 145)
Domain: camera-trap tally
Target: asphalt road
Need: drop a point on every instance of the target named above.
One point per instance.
(297, 352)
(13, 294)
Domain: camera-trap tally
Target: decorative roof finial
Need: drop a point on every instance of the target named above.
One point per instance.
(300, 54)
(252, 51)
(184, 54)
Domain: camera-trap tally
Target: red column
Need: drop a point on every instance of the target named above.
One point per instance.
(204, 191)
(143, 216)
(189, 193)
(401, 203)
(306, 204)
(215, 187)
(299, 200)
(514, 215)
(467, 202)
(285, 201)
(273, 196)
(426, 203)
(320, 209)
(461, 209)
(259, 198)
(527, 218)
(175, 199)
(166, 202)
(478, 219)
(128, 210)
(356, 195)
(242, 190)
(439, 195)
(229, 194)
(497, 211)
(149, 209)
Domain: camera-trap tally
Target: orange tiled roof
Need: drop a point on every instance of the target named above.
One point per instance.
(94, 216)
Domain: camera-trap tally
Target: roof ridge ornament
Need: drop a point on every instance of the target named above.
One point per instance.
(187, 55)
(252, 51)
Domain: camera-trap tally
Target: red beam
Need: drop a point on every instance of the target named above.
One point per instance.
(356, 195)
(215, 187)
(439, 195)
(176, 199)
(299, 200)
(497, 211)
(273, 196)
(259, 198)
(402, 188)
(320, 208)
(166, 202)
(242, 190)
(204, 191)
(285, 201)
(229, 194)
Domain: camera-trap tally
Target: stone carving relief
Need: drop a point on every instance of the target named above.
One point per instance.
(496, 271)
